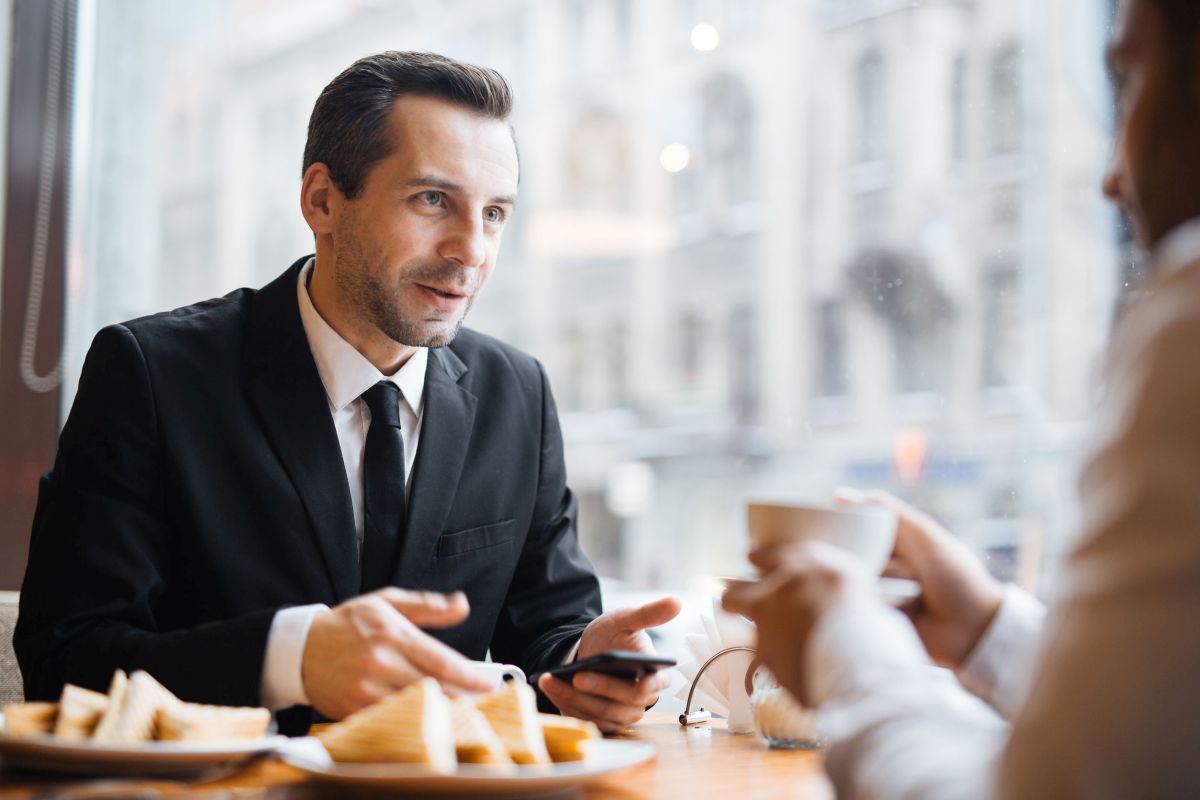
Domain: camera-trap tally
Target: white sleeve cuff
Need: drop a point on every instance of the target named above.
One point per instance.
(573, 652)
(1000, 668)
(855, 647)
(282, 683)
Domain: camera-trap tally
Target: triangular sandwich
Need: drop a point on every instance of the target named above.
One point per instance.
(410, 726)
(29, 719)
(512, 713)
(565, 736)
(136, 721)
(116, 699)
(79, 711)
(192, 722)
(474, 740)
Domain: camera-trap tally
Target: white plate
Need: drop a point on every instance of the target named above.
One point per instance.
(45, 753)
(603, 756)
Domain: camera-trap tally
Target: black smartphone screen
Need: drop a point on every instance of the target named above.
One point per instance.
(618, 663)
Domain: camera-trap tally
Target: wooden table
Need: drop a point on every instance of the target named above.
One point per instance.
(698, 762)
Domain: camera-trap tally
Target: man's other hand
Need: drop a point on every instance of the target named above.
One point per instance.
(613, 703)
(370, 646)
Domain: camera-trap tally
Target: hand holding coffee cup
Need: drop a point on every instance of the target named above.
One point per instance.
(958, 596)
(811, 559)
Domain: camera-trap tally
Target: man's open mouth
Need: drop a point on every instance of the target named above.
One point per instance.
(444, 292)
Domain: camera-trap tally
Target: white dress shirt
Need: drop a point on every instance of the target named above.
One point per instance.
(346, 374)
(1003, 663)
(1107, 703)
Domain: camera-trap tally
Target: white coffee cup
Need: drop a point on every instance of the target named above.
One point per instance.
(498, 673)
(867, 532)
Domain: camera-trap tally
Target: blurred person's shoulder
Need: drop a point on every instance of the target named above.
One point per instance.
(1156, 340)
(1170, 302)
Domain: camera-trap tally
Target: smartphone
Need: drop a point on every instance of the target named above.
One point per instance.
(618, 663)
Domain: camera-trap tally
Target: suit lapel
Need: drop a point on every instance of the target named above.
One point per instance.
(285, 388)
(448, 417)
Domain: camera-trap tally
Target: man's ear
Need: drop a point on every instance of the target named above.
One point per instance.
(320, 199)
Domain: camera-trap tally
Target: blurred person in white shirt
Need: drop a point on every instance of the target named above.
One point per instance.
(1098, 696)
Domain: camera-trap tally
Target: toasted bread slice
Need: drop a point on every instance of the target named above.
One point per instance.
(79, 711)
(116, 699)
(29, 719)
(192, 722)
(565, 736)
(474, 740)
(512, 713)
(410, 726)
(137, 719)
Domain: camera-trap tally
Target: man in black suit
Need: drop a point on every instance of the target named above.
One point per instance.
(309, 495)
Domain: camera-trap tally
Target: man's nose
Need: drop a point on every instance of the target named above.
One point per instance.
(466, 242)
(1111, 183)
(1111, 186)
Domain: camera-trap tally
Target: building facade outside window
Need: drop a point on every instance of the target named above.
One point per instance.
(752, 265)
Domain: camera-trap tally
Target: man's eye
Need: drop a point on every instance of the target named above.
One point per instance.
(432, 198)
(1120, 80)
(1120, 101)
(493, 215)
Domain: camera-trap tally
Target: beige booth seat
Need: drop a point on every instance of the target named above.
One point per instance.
(11, 690)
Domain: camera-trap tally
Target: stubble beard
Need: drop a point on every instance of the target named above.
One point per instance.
(358, 281)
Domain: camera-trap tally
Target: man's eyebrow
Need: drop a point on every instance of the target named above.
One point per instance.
(434, 182)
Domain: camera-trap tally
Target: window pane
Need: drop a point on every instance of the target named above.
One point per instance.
(836, 242)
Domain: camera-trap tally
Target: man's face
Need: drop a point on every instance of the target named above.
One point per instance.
(1155, 176)
(415, 247)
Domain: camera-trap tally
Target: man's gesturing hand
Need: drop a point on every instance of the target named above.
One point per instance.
(372, 645)
(612, 703)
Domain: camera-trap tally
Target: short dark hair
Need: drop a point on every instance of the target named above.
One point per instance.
(1182, 19)
(348, 130)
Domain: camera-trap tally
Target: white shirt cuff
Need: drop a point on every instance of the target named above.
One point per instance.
(855, 647)
(1000, 668)
(282, 682)
(574, 651)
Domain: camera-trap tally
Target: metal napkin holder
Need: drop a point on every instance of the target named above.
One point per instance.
(689, 717)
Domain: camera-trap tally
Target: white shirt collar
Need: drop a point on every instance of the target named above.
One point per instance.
(1178, 248)
(344, 371)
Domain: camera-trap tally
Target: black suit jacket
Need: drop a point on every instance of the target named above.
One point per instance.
(199, 488)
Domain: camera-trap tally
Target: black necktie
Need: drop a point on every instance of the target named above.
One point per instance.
(383, 486)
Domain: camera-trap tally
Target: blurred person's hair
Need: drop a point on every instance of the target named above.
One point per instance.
(1183, 31)
(348, 131)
